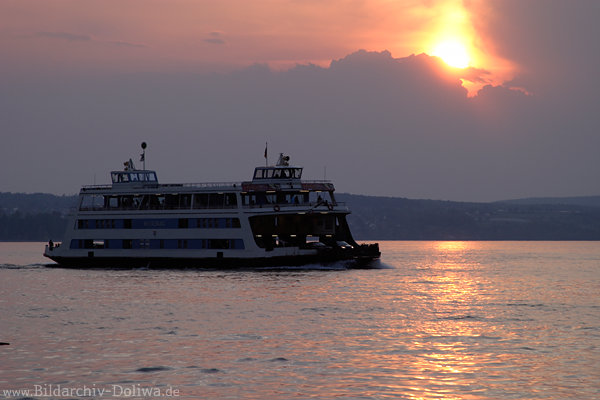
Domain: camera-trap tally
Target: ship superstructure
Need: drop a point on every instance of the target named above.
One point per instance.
(275, 219)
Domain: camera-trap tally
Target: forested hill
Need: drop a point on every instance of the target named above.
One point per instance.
(591, 201)
(405, 219)
(39, 217)
(35, 203)
(33, 217)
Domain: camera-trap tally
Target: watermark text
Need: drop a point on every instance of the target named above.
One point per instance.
(115, 391)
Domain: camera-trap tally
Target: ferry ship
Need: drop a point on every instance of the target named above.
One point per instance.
(276, 219)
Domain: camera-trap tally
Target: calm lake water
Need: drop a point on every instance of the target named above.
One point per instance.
(436, 320)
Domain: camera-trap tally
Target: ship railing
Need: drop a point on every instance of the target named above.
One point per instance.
(95, 187)
(212, 185)
(156, 208)
(315, 206)
(223, 185)
(317, 181)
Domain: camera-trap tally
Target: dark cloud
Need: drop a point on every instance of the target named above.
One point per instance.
(553, 43)
(72, 37)
(215, 38)
(125, 44)
(377, 124)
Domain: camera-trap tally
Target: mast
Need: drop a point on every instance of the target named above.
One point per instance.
(143, 155)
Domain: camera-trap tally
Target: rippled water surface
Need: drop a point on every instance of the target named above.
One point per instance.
(436, 320)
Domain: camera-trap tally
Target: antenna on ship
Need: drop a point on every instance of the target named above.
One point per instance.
(143, 155)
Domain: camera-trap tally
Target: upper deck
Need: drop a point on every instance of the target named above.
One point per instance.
(279, 177)
(134, 189)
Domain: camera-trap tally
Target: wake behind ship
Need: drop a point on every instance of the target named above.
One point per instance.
(277, 219)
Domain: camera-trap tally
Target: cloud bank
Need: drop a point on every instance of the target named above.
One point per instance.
(373, 123)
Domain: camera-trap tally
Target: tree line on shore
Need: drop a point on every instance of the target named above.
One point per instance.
(40, 217)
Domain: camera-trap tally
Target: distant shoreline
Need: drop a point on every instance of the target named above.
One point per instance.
(39, 217)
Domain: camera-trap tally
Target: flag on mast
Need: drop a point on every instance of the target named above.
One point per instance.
(266, 159)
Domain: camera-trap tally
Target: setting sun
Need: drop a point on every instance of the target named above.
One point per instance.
(452, 53)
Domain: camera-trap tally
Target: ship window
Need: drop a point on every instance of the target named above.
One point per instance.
(133, 177)
(127, 244)
(152, 177)
(111, 202)
(281, 198)
(153, 202)
(171, 201)
(270, 173)
(200, 200)
(230, 200)
(185, 201)
(126, 202)
(183, 223)
(328, 223)
(218, 244)
(91, 202)
(156, 244)
(215, 200)
(145, 203)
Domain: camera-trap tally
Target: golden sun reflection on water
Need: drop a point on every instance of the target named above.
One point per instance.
(452, 246)
(444, 360)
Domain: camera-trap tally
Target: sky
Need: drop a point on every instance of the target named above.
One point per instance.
(455, 100)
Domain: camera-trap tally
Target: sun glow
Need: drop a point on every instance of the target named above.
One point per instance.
(452, 53)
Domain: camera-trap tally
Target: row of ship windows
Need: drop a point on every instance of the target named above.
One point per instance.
(159, 223)
(236, 244)
(158, 201)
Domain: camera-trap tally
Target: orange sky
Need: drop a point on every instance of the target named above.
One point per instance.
(159, 35)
